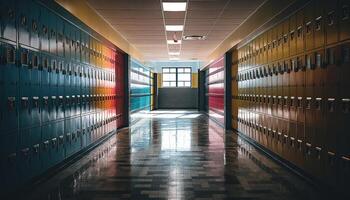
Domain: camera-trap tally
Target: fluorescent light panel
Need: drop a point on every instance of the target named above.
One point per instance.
(174, 27)
(172, 58)
(172, 42)
(174, 53)
(174, 6)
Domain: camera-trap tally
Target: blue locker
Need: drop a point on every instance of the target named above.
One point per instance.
(60, 107)
(61, 77)
(25, 112)
(36, 111)
(68, 106)
(60, 36)
(9, 89)
(34, 25)
(8, 16)
(46, 146)
(34, 64)
(8, 161)
(45, 109)
(45, 75)
(24, 22)
(52, 26)
(25, 72)
(44, 29)
(53, 106)
(53, 77)
(58, 142)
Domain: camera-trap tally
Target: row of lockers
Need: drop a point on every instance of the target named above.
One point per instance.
(29, 152)
(59, 89)
(34, 26)
(290, 90)
(319, 24)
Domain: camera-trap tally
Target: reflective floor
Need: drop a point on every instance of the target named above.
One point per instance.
(174, 155)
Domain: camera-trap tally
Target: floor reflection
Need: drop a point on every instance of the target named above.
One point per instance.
(182, 157)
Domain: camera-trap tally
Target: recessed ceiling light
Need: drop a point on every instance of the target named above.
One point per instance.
(174, 6)
(174, 53)
(174, 27)
(173, 58)
(194, 37)
(173, 42)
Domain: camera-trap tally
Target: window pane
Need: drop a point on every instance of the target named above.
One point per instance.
(179, 70)
(180, 84)
(188, 84)
(173, 84)
(165, 70)
(169, 77)
(173, 70)
(166, 84)
(188, 70)
(184, 77)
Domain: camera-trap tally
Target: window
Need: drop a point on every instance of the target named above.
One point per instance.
(176, 77)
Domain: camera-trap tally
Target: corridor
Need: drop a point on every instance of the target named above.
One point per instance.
(174, 154)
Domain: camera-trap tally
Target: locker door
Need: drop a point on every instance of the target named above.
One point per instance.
(9, 89)
(52, 26)
(319, 24)
(345, 69)
(8, 16)
(36, 111)
(310, 74)
(25, 112)
(309, 26)
(319, 73)
(60, 107)
(46, 149)
(34, 64)
(331, 21)
(332, 72)
(62, 74)
(300, 75)
(53, 76)
(24, 21)
(34, 25)
(300, 31)
(344, 21)
(58, 142)
(8, 160)
(285, 39)
(44, 30)
(292, 35)
(46, 108)
(60, 36)
(280, 41)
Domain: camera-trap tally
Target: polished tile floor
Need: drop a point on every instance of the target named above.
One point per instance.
(174, 155)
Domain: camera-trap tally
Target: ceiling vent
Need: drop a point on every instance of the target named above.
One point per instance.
(194, 37)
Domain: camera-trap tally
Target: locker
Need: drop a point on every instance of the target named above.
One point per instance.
(60, 111)
(300, 76)
(332, 72)
(8, 16)
(344, 21)
(53, 108)
(319, 73)
(300, 31)
(285, 39)
(46, 146)
(331, 21)
(34, 64)
(35, 111)
(8, 162)
(280, 31)
(319, 139)
(45, 109)
(292, 35)
(44, 30)
(34, 25)
(61, 75)
(345, 69)
(52, 28)
(45, 74)
(60, 36)
(67, 40)
(319, 24)
(24, 21)
(310, 74)
(310, 25)
(9, 88)
(53, 77)
(58, 142)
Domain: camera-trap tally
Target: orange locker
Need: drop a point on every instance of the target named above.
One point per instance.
(331, 21)
(319, 24)
(300, 32)
(344, 20)
(309, 26)
(292, 35)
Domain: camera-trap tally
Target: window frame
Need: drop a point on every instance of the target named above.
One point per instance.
(177, 76)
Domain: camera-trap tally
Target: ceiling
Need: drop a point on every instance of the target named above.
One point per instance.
(142, 23)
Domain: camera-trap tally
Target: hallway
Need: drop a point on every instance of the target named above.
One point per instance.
(174, 155)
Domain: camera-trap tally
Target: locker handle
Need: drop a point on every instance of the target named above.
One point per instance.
(330, 18)
(35, 101)
(24, 58)
(330, 104)
(291, 35)
(300, 144)
(300, 31)
(345, 162)
(318, 152)
(35, 62)
(318, 21)
(25, 151)
(10, 55)
(25, 101)
(54, 141)
(331, 157)
(36, 148)
(318, 103)
(11, 102)
(346, 105)
(11, 13)
(308, 102)
(61, 139)
(308, 148)
(46, 144)
(292, 141)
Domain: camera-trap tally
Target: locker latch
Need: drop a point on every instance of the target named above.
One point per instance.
(36, 148)
(36, 102)
(292, 141)
(35, 61)
(24, 101)
(300, 142)
(10, 55)
(330, 104)
(46, 144)
(345, 162)
(308, 102)
(318, 152)
(346, 105)
(61, 139)
(330, 18)
(318, 23)
(345, 12)
(24, 58)
(300, 102)
(46, 100)
(279, 136)
(331, 158)
(25, 152)
(11, 103)
(318, 103)
(11, 158)
(54, 142)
